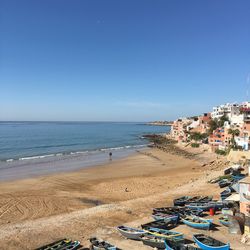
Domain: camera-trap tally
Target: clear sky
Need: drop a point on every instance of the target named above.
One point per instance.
(121, 60)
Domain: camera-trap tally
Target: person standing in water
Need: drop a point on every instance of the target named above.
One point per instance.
(110, 156)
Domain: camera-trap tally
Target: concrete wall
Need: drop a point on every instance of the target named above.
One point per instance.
(236, 156)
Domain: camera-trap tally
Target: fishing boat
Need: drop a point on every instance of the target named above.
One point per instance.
(130, 233)
(176, 211)
(97, 244)
(163, 233)
(208, 243)
(206, 206)
(197, 222)
(166, 217)
(198, 206)
(179, 245)
(238, 177)
(226, 193)
(181, 201)
(224, 183)
(156, 224)
(153, 241)
(194, 199)
(56, 245)
(218, 205)
(224, 221)
(197, 212)
(205, 199)
(167, 210)
(72, 246)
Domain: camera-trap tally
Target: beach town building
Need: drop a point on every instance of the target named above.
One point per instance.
(242, 141)
(228, 109)
(238, 116)
(200, 124)
(220, 139)
(245, 111)
(179, 129)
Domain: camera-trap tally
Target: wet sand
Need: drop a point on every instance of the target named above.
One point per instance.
(92, 201)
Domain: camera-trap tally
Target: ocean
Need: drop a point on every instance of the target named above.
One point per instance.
(33, 148)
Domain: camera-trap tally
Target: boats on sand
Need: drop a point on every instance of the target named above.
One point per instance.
(199, 206)
(166, 217)
(197, 222)
(226, 193)
(130, 233)
(208, 243)
(62, 244)
(181, 201)
(163, 233)
(156, 224)
(153, 241)
(180, 245)
(176, 211)
(97, 244)
(206, 206)
(224, 183)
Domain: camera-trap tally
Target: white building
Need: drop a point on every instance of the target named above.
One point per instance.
(232, 111)
(229, 109)
(194, 124)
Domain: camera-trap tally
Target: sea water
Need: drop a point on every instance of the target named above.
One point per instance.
(34, 148)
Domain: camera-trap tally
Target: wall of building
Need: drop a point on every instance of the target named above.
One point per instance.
(235, 156)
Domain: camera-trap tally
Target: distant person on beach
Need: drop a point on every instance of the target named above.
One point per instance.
(110, 156)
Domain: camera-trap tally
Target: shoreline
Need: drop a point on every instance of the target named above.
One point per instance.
(44, 166)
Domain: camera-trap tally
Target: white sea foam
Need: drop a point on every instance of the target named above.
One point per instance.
(35, 157)
(77, 152)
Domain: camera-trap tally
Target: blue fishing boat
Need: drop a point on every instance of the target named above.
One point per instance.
(225, 182)
(181, 201)
(199, 206)
(197, 222)
(162, 233)
(226, 193)
(224, 221)
(218, 205)
(179, 245)
(238, 177)
(166, 217)
(208, 243)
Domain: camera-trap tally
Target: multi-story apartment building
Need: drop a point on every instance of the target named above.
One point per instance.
(220, 139)
(179, 129)
(200, 124)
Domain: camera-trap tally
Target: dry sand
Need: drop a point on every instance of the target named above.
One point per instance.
(92, 201)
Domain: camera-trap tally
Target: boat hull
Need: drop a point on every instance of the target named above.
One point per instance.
(204, 246)
(153, 242)
(166, 234)
(131, 235)
(204, 225)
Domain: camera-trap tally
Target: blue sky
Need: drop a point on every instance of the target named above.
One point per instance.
(121, 60)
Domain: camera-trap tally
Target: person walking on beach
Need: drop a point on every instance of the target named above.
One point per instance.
(110, 156)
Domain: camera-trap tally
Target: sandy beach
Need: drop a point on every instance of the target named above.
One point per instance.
(93, 201)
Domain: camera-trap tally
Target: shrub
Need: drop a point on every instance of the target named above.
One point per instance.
(220, 152)
(195, 145)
